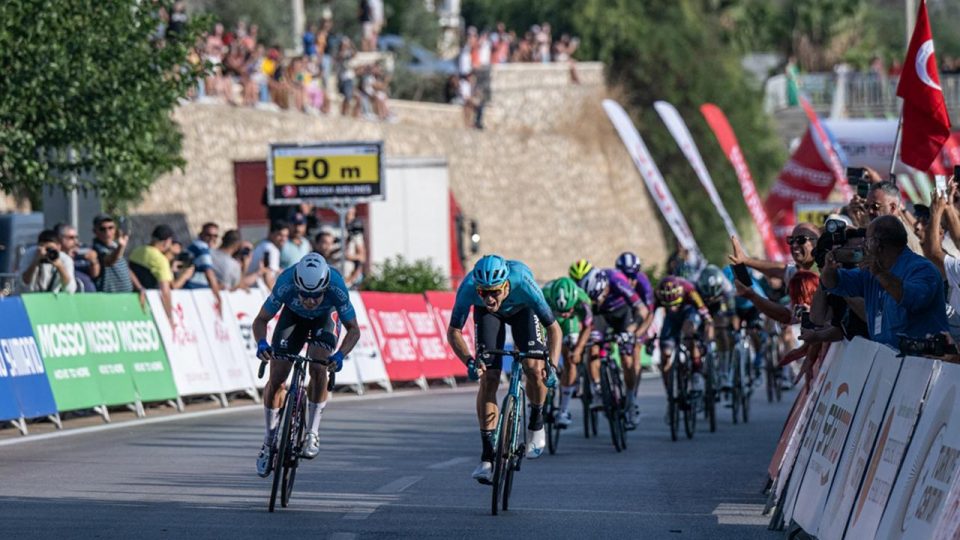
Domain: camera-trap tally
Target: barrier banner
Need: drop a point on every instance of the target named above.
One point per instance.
(796, 411)
(366, 355)
(860, 442)
(82, 355)
(407, 317)
(134, 342)
(224, 341)
(193, 371)
(441, 305)
(24, 389)
(950, 521)
(651, 174)
(837, 407)
(678, 128)
(245, 305)
(895, 431)
(400, 356)
(931, 464)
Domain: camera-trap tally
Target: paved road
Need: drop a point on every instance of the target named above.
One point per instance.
(389, 468)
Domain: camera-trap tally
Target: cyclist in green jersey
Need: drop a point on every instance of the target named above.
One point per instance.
(571, 306)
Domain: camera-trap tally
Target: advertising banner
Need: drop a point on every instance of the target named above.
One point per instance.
(899, 420)
(24, 389)
(860, 442)
(678, 128)
(825, 145)
(731, 148)
(400, 356)
(245, 305)
(226, 345)
(298, 172)
(930, 466)
(193, 370)
(796, 411)
(441, 305)
(81, 354)
(134, 342)
(838, 405)
(651, 174)
(366, 355)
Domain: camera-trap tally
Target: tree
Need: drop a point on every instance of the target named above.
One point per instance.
(92, 76)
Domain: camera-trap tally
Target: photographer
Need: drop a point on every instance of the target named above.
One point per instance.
(182, 264)
(265, 260)
(884, 199)
(86, 267)
(44, 268)
(903, 292)
(230, 262)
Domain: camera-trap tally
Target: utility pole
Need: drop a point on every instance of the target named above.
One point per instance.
(299, 19)
(911, 7)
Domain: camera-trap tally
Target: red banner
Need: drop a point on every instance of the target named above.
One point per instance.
(826, 149)
(441, 304)
(805, 178)
(731, 148)
(409, 337)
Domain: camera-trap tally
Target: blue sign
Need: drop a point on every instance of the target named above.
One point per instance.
(24, 390)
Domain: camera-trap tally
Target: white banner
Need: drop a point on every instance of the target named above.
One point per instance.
(651, 175)
(681, 134)
(895, 431)
(366, 355)
(245, 305)
(860, 442)
(930, 466)
(838, 405)
(226, 345)
(193, 371)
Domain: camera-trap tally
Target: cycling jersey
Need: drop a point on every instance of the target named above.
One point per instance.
(286, 293)
(724, 304)
(582, 313)
(621, 293)
(691, 298)
(644, 289)
(524, 293)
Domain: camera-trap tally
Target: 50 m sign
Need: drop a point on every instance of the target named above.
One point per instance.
(298, 172)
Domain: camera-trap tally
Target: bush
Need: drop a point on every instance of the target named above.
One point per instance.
(399, 275)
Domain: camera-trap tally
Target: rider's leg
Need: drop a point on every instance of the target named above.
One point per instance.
(289, 337)
(569, 382)
(490, 334)
(317, 393)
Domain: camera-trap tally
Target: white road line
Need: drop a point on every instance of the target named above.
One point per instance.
(450, 463)
(399, 485)
(359, 514)
(215, 412)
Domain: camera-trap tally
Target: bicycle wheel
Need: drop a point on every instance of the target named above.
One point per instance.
(769, 379)
(774, 356)
(620, 400)
(710, 394)
(282, 446)
(519, 447)
(586, 400)
(745, 407)
(550, 421)
(609, 407)
(736, 386)
(501, 460)
(297, 435)
(687, 403)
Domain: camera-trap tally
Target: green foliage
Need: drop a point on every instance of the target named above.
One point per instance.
(88, 75)
(400, 275)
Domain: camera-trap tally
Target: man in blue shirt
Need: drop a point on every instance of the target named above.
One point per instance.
(204, 276)
(903, 292)
(502, 293)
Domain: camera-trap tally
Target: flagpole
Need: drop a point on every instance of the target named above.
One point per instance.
(896, 147)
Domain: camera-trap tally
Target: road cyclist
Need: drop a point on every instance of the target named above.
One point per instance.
(503, 292)
(572, 308)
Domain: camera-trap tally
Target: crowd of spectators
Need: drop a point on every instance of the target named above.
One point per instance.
(59, 264)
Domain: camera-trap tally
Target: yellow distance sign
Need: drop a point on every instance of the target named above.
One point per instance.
(330, 169)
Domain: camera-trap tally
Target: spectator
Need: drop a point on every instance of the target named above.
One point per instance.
(86, 267)
(346, 77)
(150, 265)
(355, 253)
(297, 245)
(204, 276)
(801, 242)
(45, 268)
(942, 211)
(181, 264)
(903, 291)
(266, 256)
(310, 41)
(115, 275)
(884, 199)
(326, 244)
(230, 262)
(368, 39)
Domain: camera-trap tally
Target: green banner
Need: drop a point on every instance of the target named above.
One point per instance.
(132, 341)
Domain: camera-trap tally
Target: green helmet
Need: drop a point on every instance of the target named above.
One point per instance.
(562, 293)
(579, 269)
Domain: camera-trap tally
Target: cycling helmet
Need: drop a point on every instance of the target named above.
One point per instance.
(579, 269)
(597, 283)
(628, 263)
(490, 272)
(564, 294)
(312, 275)
(670, 291)
(711, 281)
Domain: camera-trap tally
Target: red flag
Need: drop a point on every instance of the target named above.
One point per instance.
(926, 124)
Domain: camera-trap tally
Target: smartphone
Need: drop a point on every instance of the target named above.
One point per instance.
(805, 321)
(941, 181)
(742, 274)
(123, 225)
(956, 173)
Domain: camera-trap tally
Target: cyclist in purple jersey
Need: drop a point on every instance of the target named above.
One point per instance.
(629, 264)
(619, 310)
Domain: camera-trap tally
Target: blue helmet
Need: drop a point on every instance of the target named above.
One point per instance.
(629, 263)
(491, 272)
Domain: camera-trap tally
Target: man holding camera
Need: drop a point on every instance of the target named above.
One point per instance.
(884, 199)
(45, 268)
(903, 292)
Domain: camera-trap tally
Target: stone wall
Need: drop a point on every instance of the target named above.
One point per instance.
(548, 182)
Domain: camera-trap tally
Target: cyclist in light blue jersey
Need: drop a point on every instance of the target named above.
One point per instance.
(307, 294)
(501, 293)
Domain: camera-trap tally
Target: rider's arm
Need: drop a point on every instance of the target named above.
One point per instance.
(458, 318)
(260, 322)
(554, 341)
(352, 337)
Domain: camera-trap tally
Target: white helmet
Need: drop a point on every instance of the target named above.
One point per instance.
(312, 274)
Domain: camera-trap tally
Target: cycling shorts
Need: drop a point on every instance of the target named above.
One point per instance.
(293, 332)
(528, 334)
(673, 321)
(619, 321)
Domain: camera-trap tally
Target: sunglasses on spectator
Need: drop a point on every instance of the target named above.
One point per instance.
(798, 240)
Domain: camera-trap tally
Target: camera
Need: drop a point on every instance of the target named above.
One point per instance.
(836, 234)
(52, 254)
(243, 252)
(858, 177)
(839, 233)
(932, 346)
(185, 258)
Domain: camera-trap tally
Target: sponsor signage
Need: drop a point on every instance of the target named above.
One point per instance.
(24, 390)
(331, 171)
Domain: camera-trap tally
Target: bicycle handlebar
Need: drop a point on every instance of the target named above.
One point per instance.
(292, 358)
(539, 355)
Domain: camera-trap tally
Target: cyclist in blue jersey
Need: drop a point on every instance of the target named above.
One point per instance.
(501, 293)
(307, 294)
(749, 316)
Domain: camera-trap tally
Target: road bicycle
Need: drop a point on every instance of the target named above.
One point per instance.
(613, 392)
(741, 383)
(288, 443)
(680, 396)
(774, 373)
(591, 412)
(510, 436)
(551, 411)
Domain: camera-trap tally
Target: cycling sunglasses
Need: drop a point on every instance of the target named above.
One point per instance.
(312, 296)
(799, 240)
(489, 292)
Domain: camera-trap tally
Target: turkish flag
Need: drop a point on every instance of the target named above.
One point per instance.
(926, 124)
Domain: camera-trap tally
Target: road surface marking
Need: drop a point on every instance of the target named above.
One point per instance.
(450, 463)
(399, 485)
